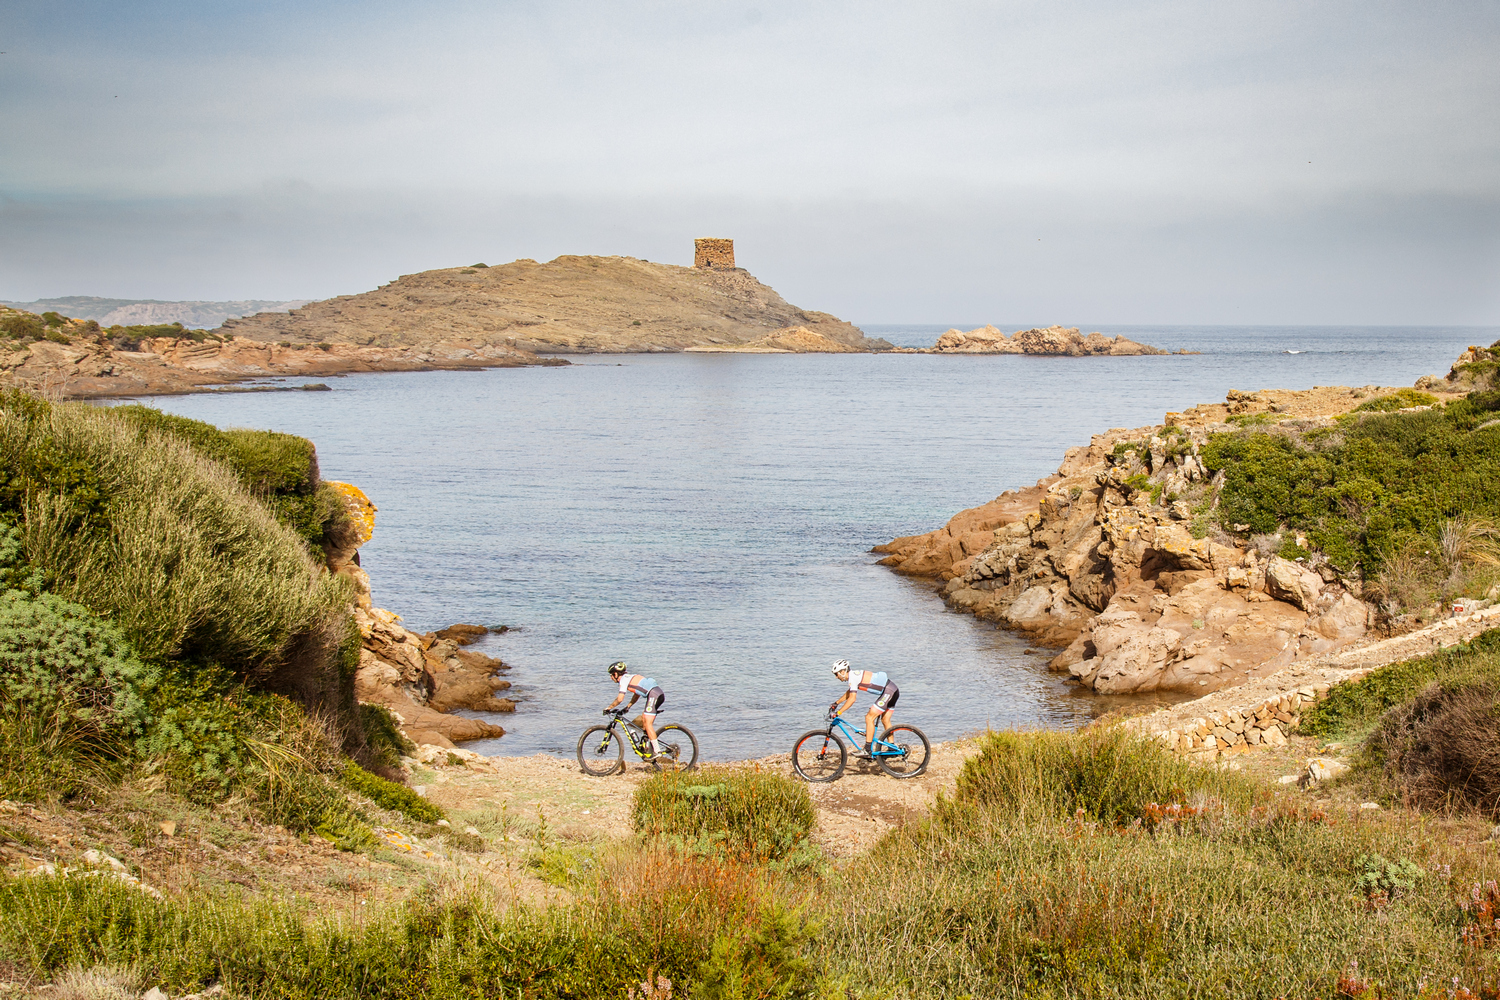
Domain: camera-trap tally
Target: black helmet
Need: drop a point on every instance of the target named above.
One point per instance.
(617, 667)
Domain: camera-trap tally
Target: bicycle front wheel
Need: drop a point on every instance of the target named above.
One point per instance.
(601, 751)
(679, 749)
(819, 756)
(909, 758)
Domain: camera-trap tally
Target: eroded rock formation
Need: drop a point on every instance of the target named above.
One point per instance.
(1057, 341)
(1114, 559)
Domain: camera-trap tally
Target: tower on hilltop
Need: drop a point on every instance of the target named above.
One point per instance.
(717, 254)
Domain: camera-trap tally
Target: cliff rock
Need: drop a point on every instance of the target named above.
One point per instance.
(1104, 559)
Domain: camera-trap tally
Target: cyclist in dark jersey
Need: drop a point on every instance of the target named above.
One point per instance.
(865, 680)
(639, 686)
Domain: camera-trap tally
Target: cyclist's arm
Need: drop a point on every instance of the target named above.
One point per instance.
(633, 699)
(618, 698)
(845, 701)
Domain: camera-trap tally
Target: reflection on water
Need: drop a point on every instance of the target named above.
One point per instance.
(707, 518)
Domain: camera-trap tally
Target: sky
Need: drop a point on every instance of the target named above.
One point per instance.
(1009, 162)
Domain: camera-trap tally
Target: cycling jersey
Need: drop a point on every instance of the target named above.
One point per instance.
(636, 684)
(864, 680)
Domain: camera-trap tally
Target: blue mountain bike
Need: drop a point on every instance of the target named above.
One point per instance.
(820, 755)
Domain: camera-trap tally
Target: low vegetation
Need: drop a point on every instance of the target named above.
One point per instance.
(1399, 491)
(744, 813)
(1429, 728)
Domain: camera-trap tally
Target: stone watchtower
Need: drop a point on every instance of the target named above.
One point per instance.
(717, 254)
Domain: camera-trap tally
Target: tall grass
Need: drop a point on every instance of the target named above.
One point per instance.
(168, 544)
(712, 930)
(1107, 774)
(743, 811)
(1032, 883)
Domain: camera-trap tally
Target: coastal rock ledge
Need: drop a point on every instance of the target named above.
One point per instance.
(1052, 341)
(1109, 559)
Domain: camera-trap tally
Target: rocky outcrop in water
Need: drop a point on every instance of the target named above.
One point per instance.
(1052, 341)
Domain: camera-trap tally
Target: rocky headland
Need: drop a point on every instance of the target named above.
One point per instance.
(1116, 559)
(72, 359)
(570, 305)
(1052, 341)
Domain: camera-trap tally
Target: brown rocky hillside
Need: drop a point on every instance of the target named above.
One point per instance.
(572, 304)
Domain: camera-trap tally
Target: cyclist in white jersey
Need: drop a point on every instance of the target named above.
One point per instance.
(865, 680)
(638, 686)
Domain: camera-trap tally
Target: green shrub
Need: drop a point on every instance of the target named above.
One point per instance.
(170, 546)
(1109, 774)
(743, 811)
(21, 326)
(1398, 400)
(1363, 490)
(384, 738)
(57, 659)
(279, 469)
(1441, 750)
(1389, 879)
(1354, 706)
(390, 795)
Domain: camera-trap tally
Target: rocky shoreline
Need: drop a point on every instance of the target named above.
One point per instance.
(1104, 562)
(422, 678)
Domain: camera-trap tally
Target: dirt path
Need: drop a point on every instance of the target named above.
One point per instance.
(853, 812)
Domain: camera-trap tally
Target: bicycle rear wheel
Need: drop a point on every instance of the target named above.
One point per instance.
(819, 756)
(679, 749)
(911, 760)
(600, 751)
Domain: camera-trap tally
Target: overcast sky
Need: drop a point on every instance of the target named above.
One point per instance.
(1080, 163)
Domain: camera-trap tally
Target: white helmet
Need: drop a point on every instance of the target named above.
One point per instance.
(839, 666)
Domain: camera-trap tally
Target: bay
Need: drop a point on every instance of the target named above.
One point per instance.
(708, 518)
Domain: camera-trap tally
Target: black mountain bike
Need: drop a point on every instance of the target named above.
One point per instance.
(821, 755)
(601, 749)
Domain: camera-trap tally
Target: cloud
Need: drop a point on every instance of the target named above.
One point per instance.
(1265, 161)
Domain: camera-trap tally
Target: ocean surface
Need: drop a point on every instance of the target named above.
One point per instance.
(707, 518)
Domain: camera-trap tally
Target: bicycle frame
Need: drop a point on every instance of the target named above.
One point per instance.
(878, 747)
(617, 722)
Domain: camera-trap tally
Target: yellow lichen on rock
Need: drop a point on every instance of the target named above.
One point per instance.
(361, 510)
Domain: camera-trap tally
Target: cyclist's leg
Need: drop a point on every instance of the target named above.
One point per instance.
(655, 698)
(885, 705)
(869, 734)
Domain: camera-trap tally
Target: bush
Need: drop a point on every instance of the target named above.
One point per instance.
(1441, 750)
(171, 547)
(58, 660)
(745, 812)
(21, 326)
(279, 469)
(383, 736)
(1364, 489)
(390, 795)
(1398, 400)
(1353, 706)
(1107, 773)
(51, 756)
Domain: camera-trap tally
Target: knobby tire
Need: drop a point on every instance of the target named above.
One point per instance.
(914, 761)
(819, 756)
(592, 760)
(676, 755)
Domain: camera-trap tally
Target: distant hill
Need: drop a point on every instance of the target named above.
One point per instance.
(569, 305)
(132, 312)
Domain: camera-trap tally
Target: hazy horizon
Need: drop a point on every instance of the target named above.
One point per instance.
(1267, 163)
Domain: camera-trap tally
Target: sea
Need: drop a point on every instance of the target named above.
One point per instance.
(708, 518)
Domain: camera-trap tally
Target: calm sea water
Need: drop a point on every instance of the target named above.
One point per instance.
(707, 518)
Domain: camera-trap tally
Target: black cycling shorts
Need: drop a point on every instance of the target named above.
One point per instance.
(655, 699)
(889, 695)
